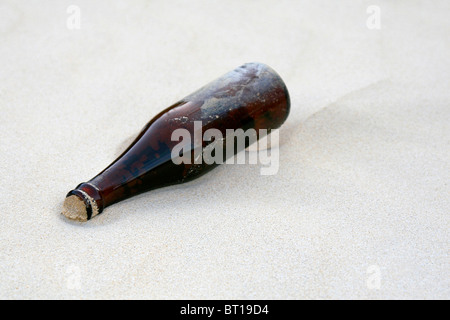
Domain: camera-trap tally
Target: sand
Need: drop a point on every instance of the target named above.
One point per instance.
(358, 209)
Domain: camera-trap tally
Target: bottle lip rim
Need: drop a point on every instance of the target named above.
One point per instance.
(87, 193)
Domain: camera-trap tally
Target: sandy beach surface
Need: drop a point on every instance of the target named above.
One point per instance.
(358, 209)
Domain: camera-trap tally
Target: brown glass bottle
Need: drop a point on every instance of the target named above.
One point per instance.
(253, 96)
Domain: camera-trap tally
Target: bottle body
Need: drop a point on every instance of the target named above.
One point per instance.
(252, 96)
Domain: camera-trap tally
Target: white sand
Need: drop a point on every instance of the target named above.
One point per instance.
(362, 193)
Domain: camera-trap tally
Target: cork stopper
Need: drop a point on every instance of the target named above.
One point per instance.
(75, 209)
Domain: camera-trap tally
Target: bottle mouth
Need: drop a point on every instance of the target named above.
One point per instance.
(74, 208)
(79, 205)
